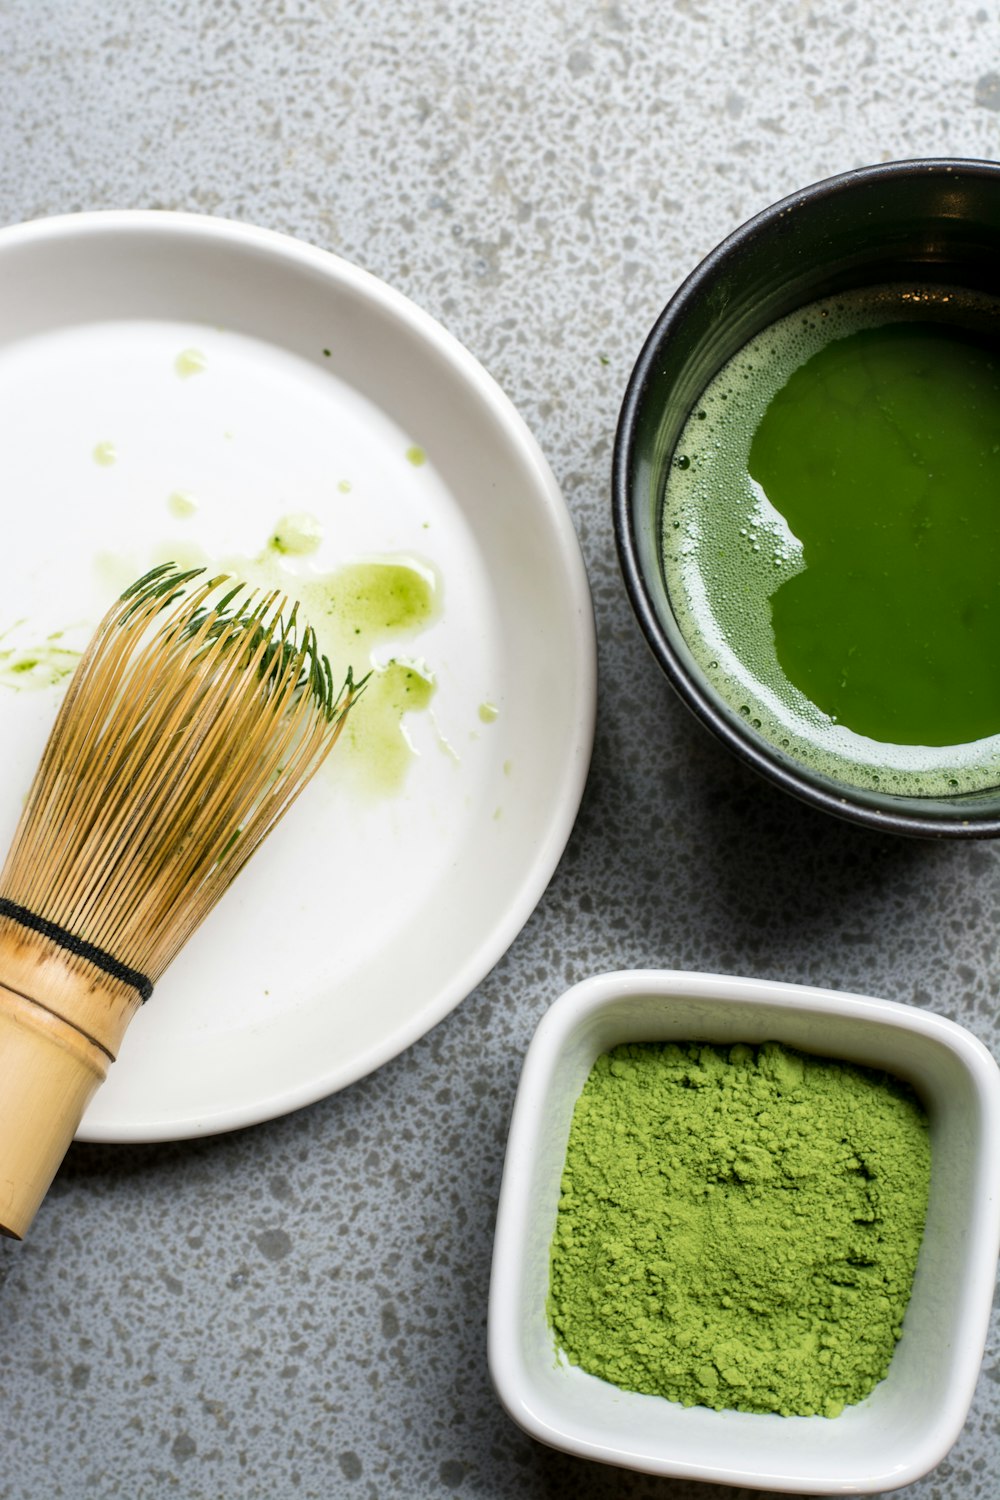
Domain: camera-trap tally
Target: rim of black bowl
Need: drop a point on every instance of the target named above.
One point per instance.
(897, 815)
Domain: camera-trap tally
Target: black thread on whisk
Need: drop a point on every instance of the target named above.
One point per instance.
(77, 946)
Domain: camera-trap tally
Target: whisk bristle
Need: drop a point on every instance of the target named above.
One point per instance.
(197, 714)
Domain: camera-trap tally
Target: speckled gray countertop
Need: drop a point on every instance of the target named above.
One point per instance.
(299, 1309)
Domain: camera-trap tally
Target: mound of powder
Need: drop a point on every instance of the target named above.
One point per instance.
(738, 1226)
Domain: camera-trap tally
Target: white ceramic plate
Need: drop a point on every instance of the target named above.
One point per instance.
(367, 917)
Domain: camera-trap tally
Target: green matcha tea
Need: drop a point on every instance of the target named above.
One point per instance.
(738, 1226)
(831, 538)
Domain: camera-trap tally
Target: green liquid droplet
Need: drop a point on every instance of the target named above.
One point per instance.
(297, 535)
(190, 362)
(182, 504)
(105, 454)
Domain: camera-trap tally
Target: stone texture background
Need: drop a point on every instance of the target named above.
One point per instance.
(299, 1309)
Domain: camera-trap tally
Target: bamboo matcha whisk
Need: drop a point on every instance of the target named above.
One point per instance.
(196, 715)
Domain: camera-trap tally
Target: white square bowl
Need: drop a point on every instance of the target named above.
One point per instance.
(913, 1416)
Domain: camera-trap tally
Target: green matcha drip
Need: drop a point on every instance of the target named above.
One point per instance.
(378, 742)
(41, 665)
(738, 1227)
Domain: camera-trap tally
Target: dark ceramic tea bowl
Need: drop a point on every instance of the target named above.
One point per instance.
(933, 224)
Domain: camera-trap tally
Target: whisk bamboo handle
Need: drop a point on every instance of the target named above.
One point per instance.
(59, 1032)
(48, 1072)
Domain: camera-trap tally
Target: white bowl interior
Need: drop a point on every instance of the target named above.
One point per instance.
(913, 1416)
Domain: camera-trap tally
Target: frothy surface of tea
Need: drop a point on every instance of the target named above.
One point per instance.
(831, 538)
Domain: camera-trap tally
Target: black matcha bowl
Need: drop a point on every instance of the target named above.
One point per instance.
(934, 222)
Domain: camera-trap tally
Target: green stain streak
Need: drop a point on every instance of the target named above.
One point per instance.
(380, 598)
(353, 610)
(377, 746)
(41, 666)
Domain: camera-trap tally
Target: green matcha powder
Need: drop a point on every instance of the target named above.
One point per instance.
(738, 1226)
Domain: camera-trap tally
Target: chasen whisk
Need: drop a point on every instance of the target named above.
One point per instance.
(195, 717)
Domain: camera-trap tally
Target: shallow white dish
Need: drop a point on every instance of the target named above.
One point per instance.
(911, 1419)
(366, 918)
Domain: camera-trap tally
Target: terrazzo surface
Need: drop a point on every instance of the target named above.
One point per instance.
(299, 1309)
